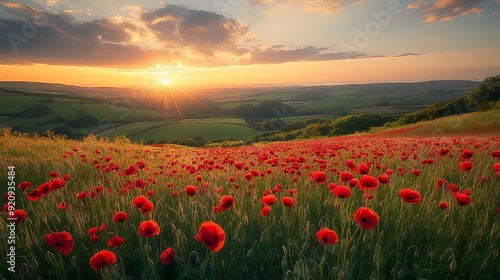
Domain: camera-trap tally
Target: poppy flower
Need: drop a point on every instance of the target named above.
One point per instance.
(366, 217)
(462, 199)
(63, 206)
(103, 227)
(368, 196)
(149, 228)
(191, 190)
(147, 207)
(384, 178)
(57, 183)
(93, 231)
(441, 182)
(53, 174)
(82, 195)
(44, 188)
(496, 167)
(140, 201)
(62, 241)
(416, 172)
(167, 256)
(19, 215)
(226, 202)
(466, 165)
(319, 177)
(34, 195)
(212, 235)
(24, 186)
(342, 192)
(410, 196)
(351, 164)
(443, 205)
(453, 188)
(102, 259)
(175, 194)
(288, 201)
(467, 154)
(66, 177)
(368, 182)
(327, 236)
(120, 217)
(115, 241)
(265, 211)
(353, 182)
(346, 176)
(495, 153)
(268, 199)
(94, 238)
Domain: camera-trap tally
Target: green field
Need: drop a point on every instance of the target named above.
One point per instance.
(209, 129)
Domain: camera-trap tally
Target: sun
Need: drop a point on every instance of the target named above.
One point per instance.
(164, 82)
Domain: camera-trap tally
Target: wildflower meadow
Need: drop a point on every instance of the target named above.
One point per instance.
(356, 207)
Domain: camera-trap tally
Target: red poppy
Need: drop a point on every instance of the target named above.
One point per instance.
(115, 241)
(34, 195)
(82, 195)
(175, 194)
(147, 207)
(351, 164)
(167, 256)
(496, 167)
(62, 241)
(416, 172)
(19, 215)
(190, 190)
(226, 202)
(364, 169)
(467, 154)
(353, 182)
(140, 201)
(93, 231)
(268, 199)
(265, 211)
(288, 201)
(384, 178)
(319, 177)
(66, 177)
(24, 186)
(366, 217)
(410, 196)
(443, 205)
(120, 217)
(63, 206)
(149, 228)
(462, 199)
(441, 182)
(212, 235)
(94, 238)
(102, 259)
(453, 188)
(466, 165)
(44, 188)
(130, 170)
(368, 182)
(103, 227)
(346, 176)
(53, 174)
(495, 153)
(368, 196)
(342, 192)
(327, 236)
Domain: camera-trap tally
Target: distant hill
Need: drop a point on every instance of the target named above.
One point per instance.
(482, 98)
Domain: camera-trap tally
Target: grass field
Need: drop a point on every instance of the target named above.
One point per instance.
(209, 129)
(422, 227)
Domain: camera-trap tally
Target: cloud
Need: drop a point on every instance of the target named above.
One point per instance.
(446, 10)
(317, 6)
(172, 35)
(202, 31)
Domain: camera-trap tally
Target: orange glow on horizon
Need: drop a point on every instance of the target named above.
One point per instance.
(470, 65)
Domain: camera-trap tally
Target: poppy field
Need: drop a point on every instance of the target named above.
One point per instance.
(353, 207)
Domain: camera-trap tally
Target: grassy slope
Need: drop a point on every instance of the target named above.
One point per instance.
(477, 123)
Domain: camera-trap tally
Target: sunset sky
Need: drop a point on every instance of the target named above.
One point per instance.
(247, 42)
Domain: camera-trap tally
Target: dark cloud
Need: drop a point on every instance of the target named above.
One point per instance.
(446, 10)
(203, 31)
(281, 54)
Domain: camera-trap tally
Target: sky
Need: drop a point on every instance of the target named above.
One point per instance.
(227, 43)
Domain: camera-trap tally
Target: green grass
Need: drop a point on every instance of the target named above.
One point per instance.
(410, 241)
